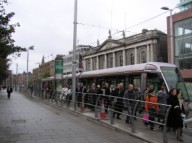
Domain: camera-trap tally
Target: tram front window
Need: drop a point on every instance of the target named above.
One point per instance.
(174, 79)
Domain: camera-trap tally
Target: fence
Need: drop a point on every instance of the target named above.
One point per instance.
(96, 105)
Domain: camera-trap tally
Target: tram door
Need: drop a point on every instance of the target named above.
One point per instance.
(155, 79)
(134, 79)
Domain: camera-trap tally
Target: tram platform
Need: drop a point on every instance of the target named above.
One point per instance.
(26, 120)
(141, 131)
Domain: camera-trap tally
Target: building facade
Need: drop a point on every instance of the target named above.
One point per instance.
(148, 46)
(44, 70)
(67, 60)
(182, 37)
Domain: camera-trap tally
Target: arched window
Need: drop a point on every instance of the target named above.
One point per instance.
(143, 57)
(132, 59)
(127, 58)
(87, 64)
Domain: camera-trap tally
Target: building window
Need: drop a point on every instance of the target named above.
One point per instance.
(111, 62)
(94, 63)
(88, 64)
(121, 60)
(183, 43)
(185, 63)
(132, 59)
(101, 62)
(143, 57)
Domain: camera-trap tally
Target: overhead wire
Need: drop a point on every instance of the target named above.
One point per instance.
(119, 31)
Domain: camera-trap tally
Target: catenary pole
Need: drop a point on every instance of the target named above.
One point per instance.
(74, 55)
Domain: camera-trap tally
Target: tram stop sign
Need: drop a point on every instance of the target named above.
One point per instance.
(58, 69)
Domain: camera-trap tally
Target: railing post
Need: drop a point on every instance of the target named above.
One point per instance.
(165, 140)
(111, 108)
(132, 118)
(96, 107)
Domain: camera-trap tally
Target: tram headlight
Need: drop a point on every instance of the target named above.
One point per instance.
(150, 67)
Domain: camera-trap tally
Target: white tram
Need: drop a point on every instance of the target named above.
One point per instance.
(155, 73)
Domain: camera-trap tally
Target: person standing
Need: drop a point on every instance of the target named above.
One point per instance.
(151, 107)
(129, 102)
(162, 96)
(31, 89)
(84, 95)
(181, 105)
(9, 91)
(174, 118)
(79, 94)
(146, 93)
(118, 107)
(93, 96)
(107, 97)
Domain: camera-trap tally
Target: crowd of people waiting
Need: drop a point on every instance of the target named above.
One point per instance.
(154, 103)
(122, 99)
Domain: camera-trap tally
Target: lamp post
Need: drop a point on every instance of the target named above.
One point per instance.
(74, 56)
(30, 48)
(171, 33)
(16, 85)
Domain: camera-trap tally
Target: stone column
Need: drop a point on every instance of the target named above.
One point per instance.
(114, 59)
(97, 67)
(148, 53)
(124, 58)
(135, 57)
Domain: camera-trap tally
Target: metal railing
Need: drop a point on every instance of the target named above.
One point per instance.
(92, 103)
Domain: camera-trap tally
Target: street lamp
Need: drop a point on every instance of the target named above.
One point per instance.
(30, 48)
(16, 86)
(171, 33)
(74, 56)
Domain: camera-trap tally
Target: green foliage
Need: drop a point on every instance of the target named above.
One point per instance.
(46, 74)
(7, 46)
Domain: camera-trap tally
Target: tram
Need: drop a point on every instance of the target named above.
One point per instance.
(142, 75)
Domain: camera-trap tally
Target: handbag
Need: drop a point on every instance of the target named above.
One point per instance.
(146, 117)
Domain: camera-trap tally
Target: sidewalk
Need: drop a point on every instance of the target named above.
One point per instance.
(25, 120)
(141, 131)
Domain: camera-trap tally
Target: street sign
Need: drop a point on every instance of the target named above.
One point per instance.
(58, 69)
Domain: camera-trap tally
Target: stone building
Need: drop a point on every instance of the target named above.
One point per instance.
(148, 46)
(46, 69)
(67, 60)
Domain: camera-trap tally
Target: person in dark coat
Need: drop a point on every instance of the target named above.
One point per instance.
(79, 94)
(9, 91)
(107, 97)
(99, 97)
(162, 96)
(118, 107)
(93, 96)
(174, 118)
(84, 95)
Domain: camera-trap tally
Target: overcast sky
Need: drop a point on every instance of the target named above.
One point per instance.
(48, 24)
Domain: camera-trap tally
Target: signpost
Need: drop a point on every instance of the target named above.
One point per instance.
(58, 73)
